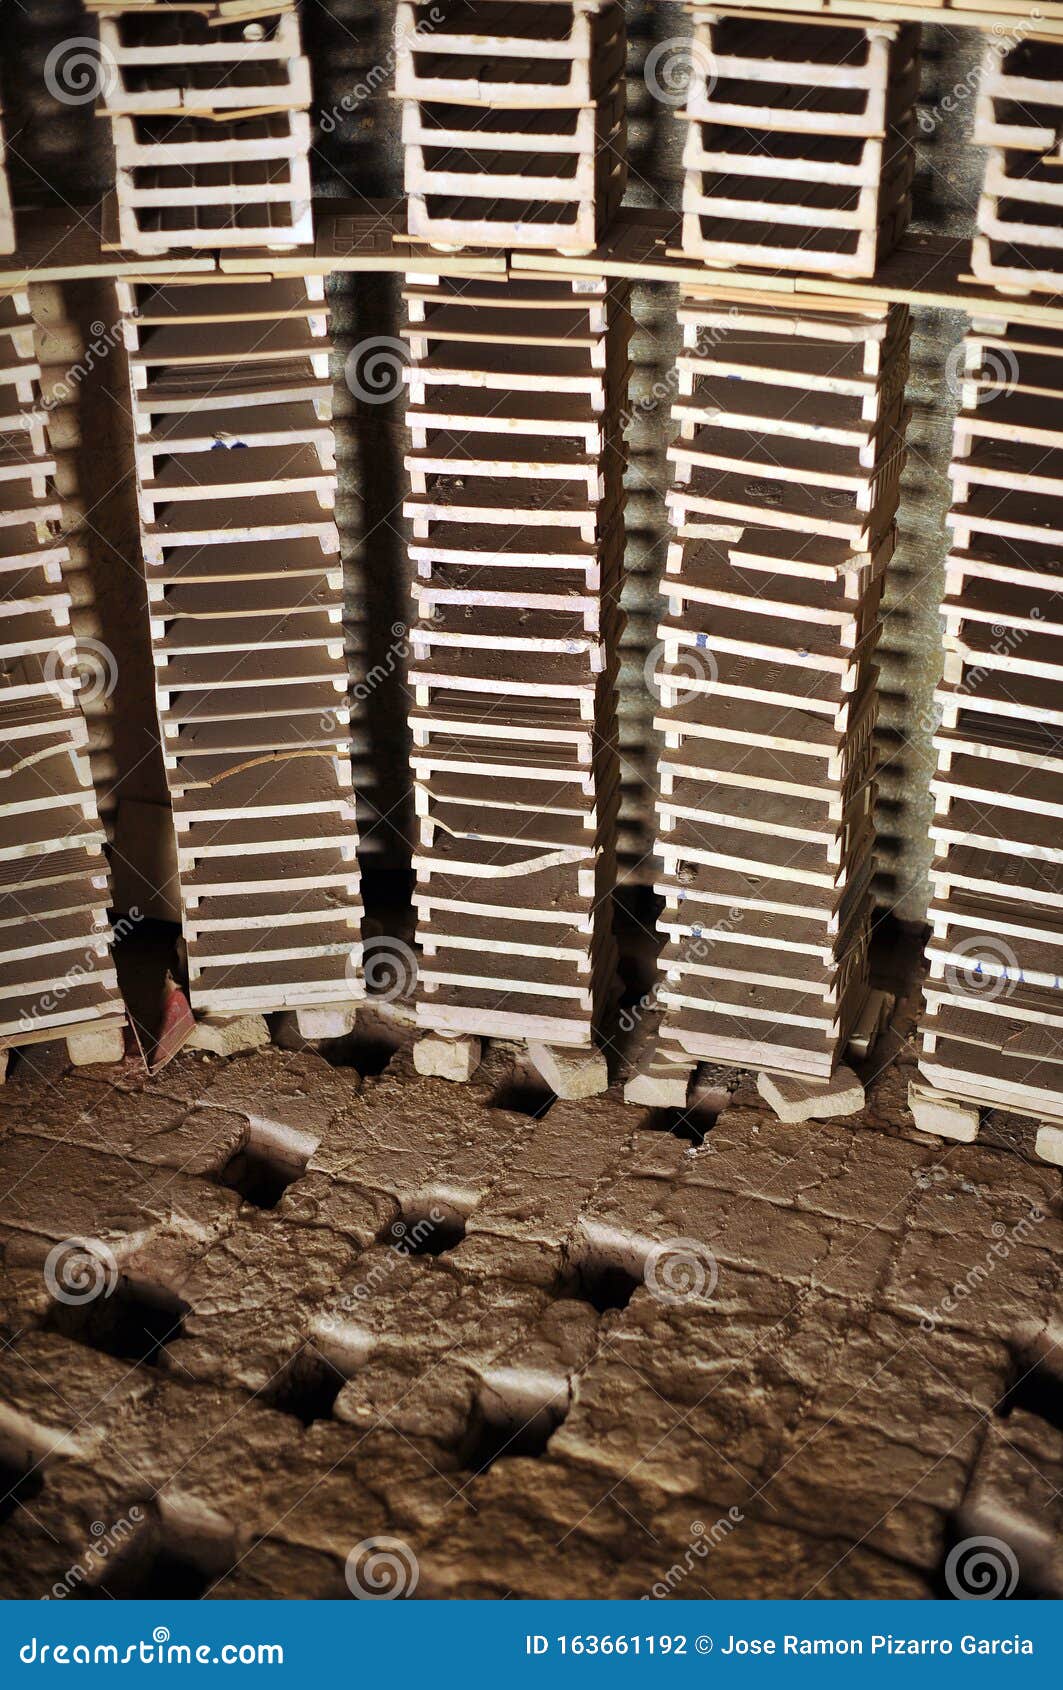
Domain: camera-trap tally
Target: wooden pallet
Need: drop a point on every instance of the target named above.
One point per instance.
(514, 121)
(236, 483)
(173, 59)
(210, 118)
(516, 394)
(798, 152)
(7, 215)
(57, 978)
(1018, 246)
(192, 182)
(790, 446)
(993, 1031)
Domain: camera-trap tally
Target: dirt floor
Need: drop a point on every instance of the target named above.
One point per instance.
(275, 1327)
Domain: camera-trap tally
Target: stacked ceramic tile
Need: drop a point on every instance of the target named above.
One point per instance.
(236, 478)
(1019, 119)
(515, 396)
(513, 119)
(787, 465)
(209, 105)
(994, 998)
(798, 149)
(56, 972)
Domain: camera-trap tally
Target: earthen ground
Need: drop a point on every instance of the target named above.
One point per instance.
(553, 1349)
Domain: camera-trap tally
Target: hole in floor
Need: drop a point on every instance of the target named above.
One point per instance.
(523, 1092)
(162, 1573)
(259, 1178)
(511, 1418)
(132, 1324)
(425, 1228)
(369, 1055)
(607, 1268)
(18, 1485)
(692, 1124)
(1036, 1391)
(606, 1285)
(307, 1388)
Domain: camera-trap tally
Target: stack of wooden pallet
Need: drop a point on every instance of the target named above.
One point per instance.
(56, 973)
(1019, 119)
(799, 148)
(232, 406)
(209, 103)
(788, 463)
(7, 216)
(994, 1025)
(516, 391)
(513, 119)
